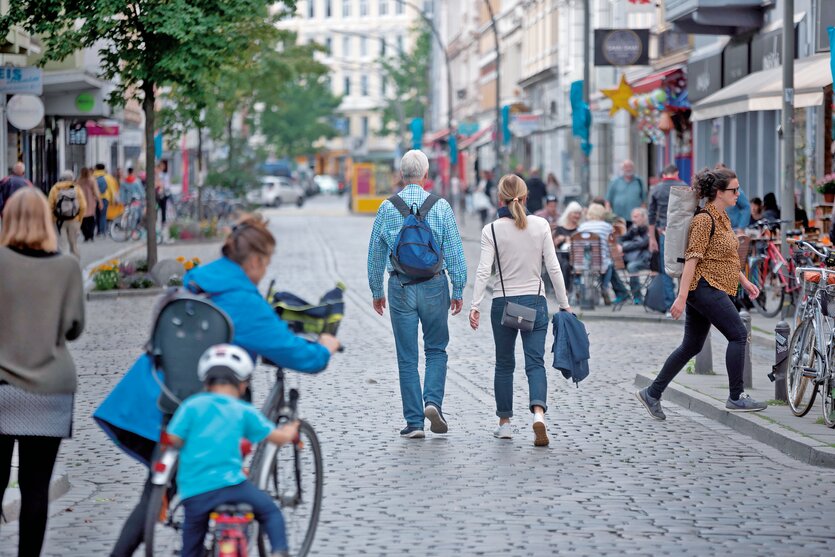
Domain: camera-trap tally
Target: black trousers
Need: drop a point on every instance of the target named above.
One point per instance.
(37, 459)
(88, 228)
(707, 306)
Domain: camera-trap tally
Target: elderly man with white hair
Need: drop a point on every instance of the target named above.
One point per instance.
(12, 183)
(67, 203)
(418, 294)
(626, 192)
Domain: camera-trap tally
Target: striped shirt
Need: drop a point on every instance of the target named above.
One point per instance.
(387, 225)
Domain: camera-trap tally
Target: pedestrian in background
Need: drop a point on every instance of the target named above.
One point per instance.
(424, 301)
(596, 224)
(626, 192)
(162, 184)
(636, 254)
(708, 285)
(66, 200)
(657, 220)
(93, 202)
(552, 185)
(42, 297)
(518, 244)
(756, 210)
(108, 188)
(536, 191)
(11, 183)
(483, 197)
(771, 211)
(567, 225)
(549, 212)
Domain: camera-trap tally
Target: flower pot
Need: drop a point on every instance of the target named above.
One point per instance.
(829, 197)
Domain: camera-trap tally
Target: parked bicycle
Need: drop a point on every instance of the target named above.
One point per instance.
(291, 474)
(811, 354)
(769, 270)
(128, 225)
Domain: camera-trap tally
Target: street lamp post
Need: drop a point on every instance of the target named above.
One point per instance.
(497, 165)
(585, 173)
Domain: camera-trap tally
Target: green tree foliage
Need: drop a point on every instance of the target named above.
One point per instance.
(407, 76)
(144, 44)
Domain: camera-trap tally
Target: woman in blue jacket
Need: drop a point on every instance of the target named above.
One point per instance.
(231, 283)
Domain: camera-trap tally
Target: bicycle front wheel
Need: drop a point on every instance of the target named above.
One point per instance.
(119, 231)
(163, 523)
(292, 475)
(800, 387)
(772, 293)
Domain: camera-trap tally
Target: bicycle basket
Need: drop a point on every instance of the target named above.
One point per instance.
(304, 317)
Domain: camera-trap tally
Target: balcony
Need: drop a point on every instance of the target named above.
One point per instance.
(716, 17)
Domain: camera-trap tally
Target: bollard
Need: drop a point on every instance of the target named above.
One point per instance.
(704, 359)
(782, 331)
(747, 376)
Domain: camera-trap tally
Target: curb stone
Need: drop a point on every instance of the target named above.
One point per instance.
(754, 425)
(124, 293)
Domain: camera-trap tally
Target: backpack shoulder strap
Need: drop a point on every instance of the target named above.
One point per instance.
(427, 205)
(400, 205)
(700, 210)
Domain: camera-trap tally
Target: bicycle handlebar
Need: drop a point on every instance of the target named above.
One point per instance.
(810, 247)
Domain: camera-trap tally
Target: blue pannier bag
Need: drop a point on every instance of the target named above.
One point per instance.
(416, 253)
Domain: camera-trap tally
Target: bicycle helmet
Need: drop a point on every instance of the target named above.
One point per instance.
(225, 360)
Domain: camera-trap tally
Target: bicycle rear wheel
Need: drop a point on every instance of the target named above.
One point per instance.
(293, 476)
(800, 388)
(119, 230)
(772, 294)
(163, 524)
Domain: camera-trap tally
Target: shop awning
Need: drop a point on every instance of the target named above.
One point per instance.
(432, 137)
(473, 139)
(764, 90)
(653, 81)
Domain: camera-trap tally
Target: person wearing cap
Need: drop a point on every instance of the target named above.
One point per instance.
(208, 428)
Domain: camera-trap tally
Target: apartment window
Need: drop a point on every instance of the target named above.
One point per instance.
(346, 47)
(364, 85)
(328, 8)
(398, 7)
(364, 127)
(363, 8)
(400, 44)
(346, 8)
(384, 7)
(329, 45)
(310, 8)
(382, 48)
(363, 46)
(383, 84)
(427, 7)
(347, 86)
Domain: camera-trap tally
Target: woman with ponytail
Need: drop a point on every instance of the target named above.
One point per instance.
(707, 287)
(518, 243)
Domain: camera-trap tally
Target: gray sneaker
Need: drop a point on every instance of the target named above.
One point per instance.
(653, 405)
(745, 404)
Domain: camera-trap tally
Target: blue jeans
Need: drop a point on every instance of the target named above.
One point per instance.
(612, 277)
(533, 343)
(669, 289)
(101, 217)
(426, 303)
(198, 508)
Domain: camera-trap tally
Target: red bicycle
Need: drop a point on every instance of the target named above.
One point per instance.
(769, 270)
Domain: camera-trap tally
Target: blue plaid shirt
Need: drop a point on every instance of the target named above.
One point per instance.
(387, 225)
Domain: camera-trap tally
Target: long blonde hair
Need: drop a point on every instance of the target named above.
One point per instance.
(27, 222)
(512, 192)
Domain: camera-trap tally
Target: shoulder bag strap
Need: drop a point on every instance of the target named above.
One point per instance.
(498, 261)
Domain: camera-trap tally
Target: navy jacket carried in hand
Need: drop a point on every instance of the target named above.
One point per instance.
(571, 346)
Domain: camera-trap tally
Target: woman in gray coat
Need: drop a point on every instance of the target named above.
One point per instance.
(43, 307)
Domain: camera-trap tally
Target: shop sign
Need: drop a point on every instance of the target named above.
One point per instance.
(670, 42)
(28, 81)
(523, 125)
(767, 50)
(102, 129)
(736, 63)
(826, 18)
(621, 47)
(704, 77)
(467, 128)
(24, 111)
(85, 102)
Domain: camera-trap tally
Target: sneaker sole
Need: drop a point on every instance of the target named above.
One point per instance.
(540, 435)
(744, 409)
(438, 425)
(502, 436)
(414, 435)
(644, 404)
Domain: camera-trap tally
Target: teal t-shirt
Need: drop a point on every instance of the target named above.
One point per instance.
(212, 427)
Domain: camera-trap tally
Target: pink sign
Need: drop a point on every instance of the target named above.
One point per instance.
(94, 128)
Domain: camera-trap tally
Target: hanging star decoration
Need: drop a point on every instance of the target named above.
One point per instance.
(620, 97)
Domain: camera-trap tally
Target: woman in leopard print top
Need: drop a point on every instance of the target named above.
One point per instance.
(710, 278)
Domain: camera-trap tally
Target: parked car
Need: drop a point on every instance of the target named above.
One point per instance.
(276, 191)
(327, 184)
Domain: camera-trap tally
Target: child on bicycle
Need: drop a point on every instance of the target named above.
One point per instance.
(209, 427)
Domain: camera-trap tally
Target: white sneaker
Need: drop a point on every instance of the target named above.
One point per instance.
(503, 432)
(540, 432)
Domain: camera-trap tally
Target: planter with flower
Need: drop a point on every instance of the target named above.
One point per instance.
(826, 186)
(124, 275)
(176, 279)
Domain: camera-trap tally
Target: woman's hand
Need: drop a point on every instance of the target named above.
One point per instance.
(330, 342)
(474, 316)
(751, 289)
(678, 306)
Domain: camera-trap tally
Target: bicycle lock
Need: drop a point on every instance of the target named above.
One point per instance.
(781, 359)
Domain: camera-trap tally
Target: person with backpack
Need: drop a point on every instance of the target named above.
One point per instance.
(67, 203)
(518, 243)
(708, 285)
(108, 188)
(415, 238)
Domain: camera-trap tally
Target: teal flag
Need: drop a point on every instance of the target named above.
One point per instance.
(416, 125)
(831, 31)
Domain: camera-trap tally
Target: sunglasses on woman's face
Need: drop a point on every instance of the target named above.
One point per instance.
(734, 191)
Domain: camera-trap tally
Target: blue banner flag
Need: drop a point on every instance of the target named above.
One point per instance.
(580, 116)
(453, 149)
(831, 31)
(416, 126)
(505, 125)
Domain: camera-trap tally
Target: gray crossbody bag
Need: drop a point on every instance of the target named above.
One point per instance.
(515, 316)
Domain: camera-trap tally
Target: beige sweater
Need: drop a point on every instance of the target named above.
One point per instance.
(522, 253)
(41, 307)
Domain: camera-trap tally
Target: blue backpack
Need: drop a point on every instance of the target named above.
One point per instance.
(416, 253)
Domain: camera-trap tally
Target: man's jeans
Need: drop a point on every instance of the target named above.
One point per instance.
(667, 280)
(705, 306)
(198, 508)
(533, 344)
(101, 218)
(426, 303)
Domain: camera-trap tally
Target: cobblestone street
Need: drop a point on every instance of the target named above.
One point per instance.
(612, 482)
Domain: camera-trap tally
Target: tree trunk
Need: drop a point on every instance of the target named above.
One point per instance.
(199, 169)
(229, 169)
(150, 163)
